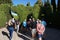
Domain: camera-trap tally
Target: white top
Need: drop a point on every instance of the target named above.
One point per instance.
(13, 20)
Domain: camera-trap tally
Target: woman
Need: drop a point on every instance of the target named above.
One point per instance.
(10, 28)
(40, 30)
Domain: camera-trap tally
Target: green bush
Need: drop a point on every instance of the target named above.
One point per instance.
(4, 14)
(16, 17)
(3, 18)
(22, 12)
(36, 10)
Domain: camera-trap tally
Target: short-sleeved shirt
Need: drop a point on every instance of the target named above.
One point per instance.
(24, 24)
(44, 23)
(40, 28)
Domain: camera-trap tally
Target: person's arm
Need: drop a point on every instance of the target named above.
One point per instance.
(6, 24)
(38, 28)
(42, 29)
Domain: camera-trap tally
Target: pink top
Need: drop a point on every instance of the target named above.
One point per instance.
(40, 28)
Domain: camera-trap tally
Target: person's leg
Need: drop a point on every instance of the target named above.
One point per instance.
(33, 34)
(10, 35)
(11, 32)
(17, 28)
(40, 36)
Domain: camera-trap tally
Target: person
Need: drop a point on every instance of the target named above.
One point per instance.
(29, 22)
(13, 21)
(17, 25)
(40, 30)
(24, 25)
(43, 22)
(33, 31)
(10, 29)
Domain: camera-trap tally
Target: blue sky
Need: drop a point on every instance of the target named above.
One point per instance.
(24, 2)
(15, 2)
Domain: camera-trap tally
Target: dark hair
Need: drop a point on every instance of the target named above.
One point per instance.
(43, 19)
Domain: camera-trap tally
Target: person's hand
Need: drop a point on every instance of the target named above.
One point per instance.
(30, 28)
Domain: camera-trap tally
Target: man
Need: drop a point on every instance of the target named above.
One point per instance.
(33, 27)
(25, 25)
(43, 22)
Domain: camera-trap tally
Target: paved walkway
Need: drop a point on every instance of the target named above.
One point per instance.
(4, 35)
(51, 34)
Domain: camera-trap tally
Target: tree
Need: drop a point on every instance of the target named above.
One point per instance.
(4, 14)
(46, 12)
(3, 18)
(28, 4)
(5, 7)
(39, 2)
(58, 9)
(22, 12)
(54, 6)
(36, 9)
(6, 2)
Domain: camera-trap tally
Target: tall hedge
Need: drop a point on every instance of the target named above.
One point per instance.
(3, 18)
(22, 11)
(4, 14)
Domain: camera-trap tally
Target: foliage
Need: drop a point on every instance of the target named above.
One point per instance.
(36, 10)
(4, 14)
(22, 12)
(6, 2)
(3, 18)
(6, 9)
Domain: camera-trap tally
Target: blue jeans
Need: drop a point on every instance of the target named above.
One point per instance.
(11, 29)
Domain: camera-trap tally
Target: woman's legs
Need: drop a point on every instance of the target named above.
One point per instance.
(40, 36)
(11, 29)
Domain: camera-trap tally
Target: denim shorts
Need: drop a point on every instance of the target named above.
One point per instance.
(40, 35)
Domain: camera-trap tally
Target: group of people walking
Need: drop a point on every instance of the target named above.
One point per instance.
(35, 26)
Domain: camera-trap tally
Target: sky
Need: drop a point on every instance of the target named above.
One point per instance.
(15, 2)
(24, 2)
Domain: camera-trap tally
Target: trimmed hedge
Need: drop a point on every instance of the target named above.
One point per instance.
(3, 18)
(4, 14)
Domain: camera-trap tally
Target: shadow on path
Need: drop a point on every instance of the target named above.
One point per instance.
(5, 33)
(21, 36)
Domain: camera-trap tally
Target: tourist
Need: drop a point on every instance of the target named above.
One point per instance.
(40, 29)
(10, 29)
(17, 25)
(33, 27)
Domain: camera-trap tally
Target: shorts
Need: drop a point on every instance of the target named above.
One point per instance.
(33, 31)
(40, 35)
